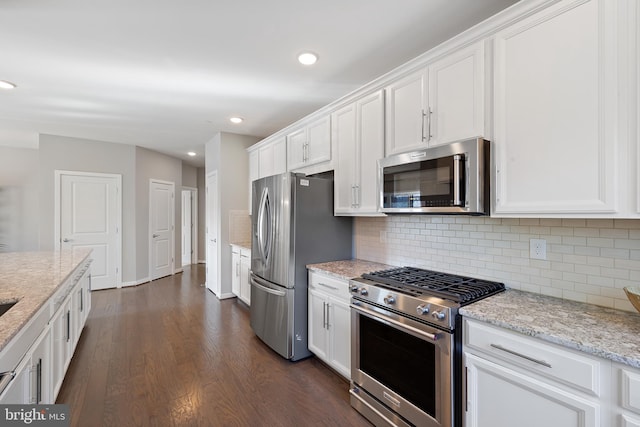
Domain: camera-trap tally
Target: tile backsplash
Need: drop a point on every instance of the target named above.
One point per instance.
(239, 227)
(587, 260)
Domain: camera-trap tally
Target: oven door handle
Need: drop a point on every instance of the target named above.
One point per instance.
(375, 316)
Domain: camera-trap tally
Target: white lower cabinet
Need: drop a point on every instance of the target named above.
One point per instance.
(245, 267)
(512, 379)
(626, 391)
(241, 265)
(39, 374)
(330, 321)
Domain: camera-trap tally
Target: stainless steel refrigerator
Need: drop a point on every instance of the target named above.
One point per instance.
(293, 225)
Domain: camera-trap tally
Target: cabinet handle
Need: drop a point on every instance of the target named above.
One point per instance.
(422, 125)
(68, 325)
(81, 299)
(353, 196)
(327, 309)
(515, 353)
(39, 382)
(357, 196)
(429, 125)
(328, 286)
(324, 315)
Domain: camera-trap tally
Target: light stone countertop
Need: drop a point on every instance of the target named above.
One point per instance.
(243, 245)
(599, 331)
(347, 269)
(32, 278)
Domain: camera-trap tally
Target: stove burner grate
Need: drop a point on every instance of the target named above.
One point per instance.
(452, 287)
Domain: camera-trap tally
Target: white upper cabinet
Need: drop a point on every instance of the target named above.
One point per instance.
(272, 158)
(556, 109)
(456, 96)
(406, 108)
(310, 144)
(358, 130)
(441, 103)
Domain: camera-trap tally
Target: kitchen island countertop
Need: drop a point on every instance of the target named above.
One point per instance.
(31, 278)
(347, 269)
(599, 331)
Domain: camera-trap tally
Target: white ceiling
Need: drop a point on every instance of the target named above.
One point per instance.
(168, 74)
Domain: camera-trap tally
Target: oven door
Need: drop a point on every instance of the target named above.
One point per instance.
(401, 369)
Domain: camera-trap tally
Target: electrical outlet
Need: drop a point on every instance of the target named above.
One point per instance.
(537, 249)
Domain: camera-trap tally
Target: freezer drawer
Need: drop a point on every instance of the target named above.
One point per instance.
(272, 315)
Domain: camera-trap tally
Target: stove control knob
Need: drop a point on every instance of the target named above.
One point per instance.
(364, 292)
(439, 315)
(423, 309)
(390, 299)
(354, 288)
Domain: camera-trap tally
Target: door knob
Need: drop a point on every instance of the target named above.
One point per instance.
(65, 240)
(156, 235)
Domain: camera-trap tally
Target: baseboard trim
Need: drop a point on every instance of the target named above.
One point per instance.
(135, 283)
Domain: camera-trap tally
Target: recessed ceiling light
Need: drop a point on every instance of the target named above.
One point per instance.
(7, 85)
(236, 120)
(191, 153)
(307, 58)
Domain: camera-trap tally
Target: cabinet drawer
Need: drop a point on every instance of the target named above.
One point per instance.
(329, 285)
(630, 390)
(246, 253)
(534, 355)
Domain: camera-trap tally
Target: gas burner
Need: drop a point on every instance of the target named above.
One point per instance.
(411, 280)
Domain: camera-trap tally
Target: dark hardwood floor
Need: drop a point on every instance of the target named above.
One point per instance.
(170, 353)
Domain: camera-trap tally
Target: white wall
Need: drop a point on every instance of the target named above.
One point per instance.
(587, 260)
(19, 206)
(233, 183)
(153, 165)
(75, 154)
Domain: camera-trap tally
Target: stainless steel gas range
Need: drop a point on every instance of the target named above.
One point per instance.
(406, 345)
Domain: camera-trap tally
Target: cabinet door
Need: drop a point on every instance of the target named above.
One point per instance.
(40, 390)
(254, 172)
(265, 161)
(556, 111)
(501, 397)
(370, 149)
(319, 141)
(456, 96)
(406, 105)
(245, 284)
(317, 323)
(280, 156)
(296, 149)
(235, 272)
(61, 345)
(339, 327)
(344, 133)
(17, 391)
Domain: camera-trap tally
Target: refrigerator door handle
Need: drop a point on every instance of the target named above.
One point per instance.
(255, 281)
(264, 236)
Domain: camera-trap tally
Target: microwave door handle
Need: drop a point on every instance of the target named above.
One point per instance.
(458, 164)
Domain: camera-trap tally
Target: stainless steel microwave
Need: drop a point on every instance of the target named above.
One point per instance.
(447, 179)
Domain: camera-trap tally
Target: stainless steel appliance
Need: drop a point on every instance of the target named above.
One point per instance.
(293, 225)
(447, 179)
(406, 345)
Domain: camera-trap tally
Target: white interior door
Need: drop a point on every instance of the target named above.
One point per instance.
(187, 225)
(161, 221)
(213, 280)
(89, 216)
